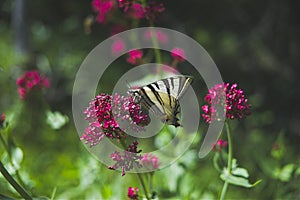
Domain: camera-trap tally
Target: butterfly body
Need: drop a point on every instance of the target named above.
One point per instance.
(162, 97)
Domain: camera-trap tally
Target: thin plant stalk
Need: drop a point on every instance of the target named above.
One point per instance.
(229, 161)
(13, 183)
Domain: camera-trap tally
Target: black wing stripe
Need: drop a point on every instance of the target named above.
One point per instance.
(157, 96)
(147, 100)
(172, 82)
(166, 82)
(156, 84)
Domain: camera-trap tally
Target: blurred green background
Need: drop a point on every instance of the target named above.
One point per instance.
(254, 43)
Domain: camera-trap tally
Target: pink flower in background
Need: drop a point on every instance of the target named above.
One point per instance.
(153, 9)
(101, 115)
(236, 104)
(133, 193)
(134, 56)
(150, 161)
(219, 145)
(125, 4)
(103, 7)
(2, 120)
(178, 54)
(160, 36)
(137, 11)
(31, 80)
(130, 159)
(118, 47)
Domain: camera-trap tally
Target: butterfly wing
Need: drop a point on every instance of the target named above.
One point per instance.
(161, 97)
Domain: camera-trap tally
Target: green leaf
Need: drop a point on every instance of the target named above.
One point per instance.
(56, 120)
(235, 180)
(297, 172)
(240, 172)
(284, 174)
(216, 162)
(14, 163)
(53, 193)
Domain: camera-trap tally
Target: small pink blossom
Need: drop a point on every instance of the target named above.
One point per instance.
(135, 56)
(118, 47)
(133, 193)
(103, 8)
(137, 11)
(178, 54)
(125, 4)
(150, 161)
(153, 9)
(160, 36)
(236, 105)
(130, 159)
(219, 145)
(31, 80)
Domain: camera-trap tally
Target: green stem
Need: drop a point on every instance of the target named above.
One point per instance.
(230, 149)
(13, 183)
(138, 174)
(229, 161)
(143, 185)
(5, 145)
(156, 46)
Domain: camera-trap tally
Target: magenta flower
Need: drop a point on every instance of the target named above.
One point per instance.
(135, 56)
(125, 4)
(137, 11)
(160, 36)
(237, 106)
(150, 161)
(103, 8)
(153, 9)
(178, 54)
(118, 47)
(129, 160)
(2, 120)
(133, 193)
(219, 145)
(101, 115)
(31, 80)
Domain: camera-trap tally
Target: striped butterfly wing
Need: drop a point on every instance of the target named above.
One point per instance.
(161, 97)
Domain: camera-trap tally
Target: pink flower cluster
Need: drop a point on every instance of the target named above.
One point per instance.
(133, 193)
(134, 56)
(236, 104)
(219, 145)
(31, 80)
(132, 8)
(101, 115)
(137, 10)
(150, 161)
(178, 54)
(159, 35)
(130, 159)
(103, 8)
